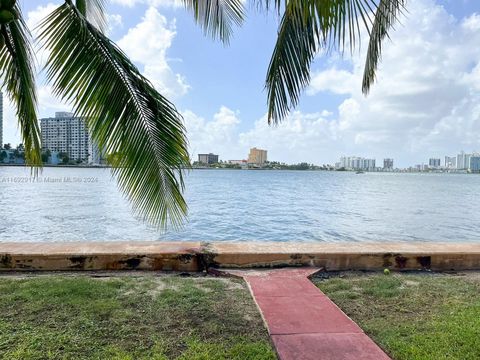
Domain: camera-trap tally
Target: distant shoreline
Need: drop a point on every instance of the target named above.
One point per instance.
(253, 169)
(62, 166)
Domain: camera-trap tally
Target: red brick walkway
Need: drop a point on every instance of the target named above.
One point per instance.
(304, 323)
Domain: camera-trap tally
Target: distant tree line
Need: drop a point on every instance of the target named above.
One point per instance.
(272, 165)
(10, 155)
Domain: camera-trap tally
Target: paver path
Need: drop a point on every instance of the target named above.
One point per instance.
(303, 322)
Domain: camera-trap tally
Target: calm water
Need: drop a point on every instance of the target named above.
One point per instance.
(247, 205)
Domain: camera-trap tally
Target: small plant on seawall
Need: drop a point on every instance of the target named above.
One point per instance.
(128, 117)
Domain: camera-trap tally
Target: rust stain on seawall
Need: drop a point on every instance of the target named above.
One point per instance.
(195, 256)
(349, 256)
(175, 256)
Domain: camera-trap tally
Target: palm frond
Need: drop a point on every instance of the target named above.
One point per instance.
(126, 116)
(217, 17)
(18, 74)
(385, 18)
(94, 11)
(307, 27)
(289, 69)
(267, 5)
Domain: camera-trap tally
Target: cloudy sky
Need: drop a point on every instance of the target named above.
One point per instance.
(424, 104)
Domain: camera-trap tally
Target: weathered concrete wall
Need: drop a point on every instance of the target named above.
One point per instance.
(100, 256)
(348, 256)
(194, 256)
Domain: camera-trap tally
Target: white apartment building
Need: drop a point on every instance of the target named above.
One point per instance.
(68, 134)
(356, 163)
(450, 162)
(463, 161)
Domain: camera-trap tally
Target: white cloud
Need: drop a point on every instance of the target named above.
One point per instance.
(296, 139)
(333, 80)
(115, 21)
(219, 135)
(425, 101)
(155, 3)
(147, 44)
(301, 137)
(49, 103)
(129, 3)
(35, 17)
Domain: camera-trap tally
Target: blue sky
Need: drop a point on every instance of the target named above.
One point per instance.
(425, 103)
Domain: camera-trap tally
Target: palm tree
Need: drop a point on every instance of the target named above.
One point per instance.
(127, 117)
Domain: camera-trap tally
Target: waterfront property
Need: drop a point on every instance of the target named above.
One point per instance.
(12, 156)
(207, 159)
(434, 163)
(450, 162)
(388, 164)
(257, 157)
(67, 138)
(356, 163)
(475, 164)
(242, 163)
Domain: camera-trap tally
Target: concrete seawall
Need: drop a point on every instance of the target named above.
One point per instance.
(198, 256)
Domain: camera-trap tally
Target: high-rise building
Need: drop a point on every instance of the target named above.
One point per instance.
(356, 163)
(434, 163)
(1, 119)
(450, 162)
(68, 134)
(474, 165)
(257, 156)
(463, 161)
(388, 164)
(208, 158)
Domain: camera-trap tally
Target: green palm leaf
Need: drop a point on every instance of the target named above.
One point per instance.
(126, 115)
(94, 11)
(289, 69)
(18, 74)
(311, 25)
(217, 17)
(385, 18)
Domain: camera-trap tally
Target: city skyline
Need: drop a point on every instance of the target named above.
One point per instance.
(260, 155)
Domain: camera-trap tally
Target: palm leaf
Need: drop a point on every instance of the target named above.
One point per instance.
(94, 11)
(18, 74)
(306, 27)
(217, 17)
(385, 18)
(125, 114)
(289, 69)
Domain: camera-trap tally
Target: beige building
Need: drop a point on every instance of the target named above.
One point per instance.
(257, 156)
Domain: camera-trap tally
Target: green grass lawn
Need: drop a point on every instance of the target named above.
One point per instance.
(129, 317)
(413, 316)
